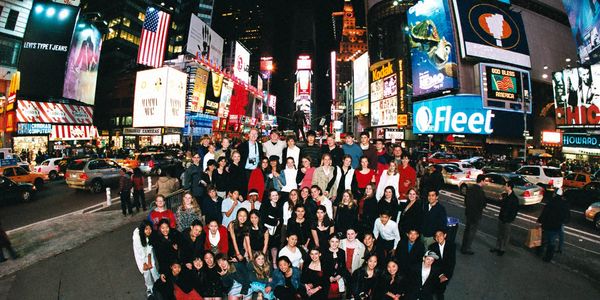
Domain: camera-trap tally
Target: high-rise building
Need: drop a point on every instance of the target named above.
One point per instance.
(13, 19)
(205, 11)
(353, 38)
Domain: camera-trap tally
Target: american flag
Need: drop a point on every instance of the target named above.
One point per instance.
(154, 38)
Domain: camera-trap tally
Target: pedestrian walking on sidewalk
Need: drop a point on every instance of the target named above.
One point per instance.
(125, 192)
(475, 202)
(509, 207)
(137, 181)
(5, 243)
(555, 214)
(144, 254)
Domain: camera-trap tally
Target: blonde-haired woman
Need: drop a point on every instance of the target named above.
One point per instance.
(259, 273)
(324, 176)
(390, 177)
(346, 215)
(187, 212)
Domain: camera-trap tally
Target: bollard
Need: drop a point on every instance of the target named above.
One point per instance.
(149, 183)
(108, 200)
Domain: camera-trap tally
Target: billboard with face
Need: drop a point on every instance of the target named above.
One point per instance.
(584, 17)
(82, 64)
(432, 47)
(45, 50)
(577, 97)
(490, 30)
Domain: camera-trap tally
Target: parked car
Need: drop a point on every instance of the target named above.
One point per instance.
(576, 180)
(527, 192)
(20, 175)
(12, 191)
(472, 171)
(592, 214)
(151, 163)
(476, 161)
(442, 158)
(584, 196)
(51, 167)
(92, 174)
(453, 175)
(547, 177)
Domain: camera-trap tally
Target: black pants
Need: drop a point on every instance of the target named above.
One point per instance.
(282, 292)
(139, 199)
(469, 234)
(126, 203)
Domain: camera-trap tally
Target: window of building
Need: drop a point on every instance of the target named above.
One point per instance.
(174, 26)
(11, 21)
(9, 52)
(141, 16)
(170, 49)
(128, 121)
(178, 49)
(179, 38)
(112, 34)
(114, 22)
(126, 22)
(129, 37)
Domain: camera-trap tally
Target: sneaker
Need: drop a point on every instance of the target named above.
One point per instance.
(149, 293)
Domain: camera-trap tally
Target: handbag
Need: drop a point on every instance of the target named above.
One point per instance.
(534, 237)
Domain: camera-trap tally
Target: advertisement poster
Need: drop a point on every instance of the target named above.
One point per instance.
(491, 30)
(432, 47)
(505, 88)
(241, 64)
(584, 17)
(204, 42)
(266, 67)
(461, 114)
(213, 94)
(46, 43)
(175, 99)
(384, 112)
(361, 84)
(199, 92)
(390, 86)
(82, 64)
(577, 97)
(377, 90)
(225, 102)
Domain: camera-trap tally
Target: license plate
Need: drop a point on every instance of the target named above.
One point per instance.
(536, 193)
(73, 175)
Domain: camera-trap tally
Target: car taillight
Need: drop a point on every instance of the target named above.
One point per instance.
(468, 174)
(83, 176)
(527, 194)
(151, 164)
(541, 192)
(39, 170)
(453, 177)
(551, 182)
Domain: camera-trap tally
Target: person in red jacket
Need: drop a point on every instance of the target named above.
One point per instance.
(383, 159)
(257, 179)
(408, 177)
(161, 212)
(216, 238)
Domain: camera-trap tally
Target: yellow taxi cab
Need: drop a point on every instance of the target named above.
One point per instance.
(576, 180)
(20, 175)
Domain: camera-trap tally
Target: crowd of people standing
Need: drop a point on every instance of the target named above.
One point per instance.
(277, 221)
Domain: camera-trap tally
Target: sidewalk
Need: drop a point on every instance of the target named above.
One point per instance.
(103, 268)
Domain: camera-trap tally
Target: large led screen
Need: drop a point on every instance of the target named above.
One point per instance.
(432, 47)
(46, 45)
(577, 97)
(82, 66)
(584, 17)
(505, 88)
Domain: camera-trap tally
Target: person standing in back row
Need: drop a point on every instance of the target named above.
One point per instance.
(509, 207)
(352, 149)
(475, 202)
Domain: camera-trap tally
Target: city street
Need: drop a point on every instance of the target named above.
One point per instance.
(88, 273)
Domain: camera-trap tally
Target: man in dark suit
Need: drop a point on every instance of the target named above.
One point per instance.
(434, 218)
(251, 151)
(424, 280)
(475, 202)
(509, 207)
(409, 251)
(447, 253)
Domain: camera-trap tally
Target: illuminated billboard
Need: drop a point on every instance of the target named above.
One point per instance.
(225, 101)
(204, 43)
(304, 63)
(45, 50)
(452, 114)
(361, 84)
(159, 99)
(266, 66)
(199, 90)
(505, 88)
(490, 30)
(384, 93)
(213, 94)
(585, 25)
(82, 64)
(241, 64)
(432, 47)
(577, 97)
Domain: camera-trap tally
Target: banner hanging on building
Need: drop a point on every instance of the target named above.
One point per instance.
(577, 97)
(490, 30)
(584, 17)
(204, 43)
(154, 38)
(241, 64)
(432, 47)
(53, 113)
(73, 133)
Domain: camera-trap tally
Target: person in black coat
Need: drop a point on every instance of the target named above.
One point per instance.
(433, 180)
(412, 213)
(424, 290)
(166, 246)
(393, 284)
(192, 177)
(409, 252)
(250, 163)
(447, 261)
(191, 244)
(434, 218)
(509, 207)
(475, 202)
(334, 264)
(365, 279)
(164, 287)
(555, 214)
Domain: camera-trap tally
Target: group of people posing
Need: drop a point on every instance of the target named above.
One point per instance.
(275, 221)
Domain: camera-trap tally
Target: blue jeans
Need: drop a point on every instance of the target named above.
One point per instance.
(259, 287)
(548, 238)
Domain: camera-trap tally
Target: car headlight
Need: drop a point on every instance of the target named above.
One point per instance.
(33, 188)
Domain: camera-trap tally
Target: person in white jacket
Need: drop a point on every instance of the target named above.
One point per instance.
(274, 146)
(391, 177)
(351, 243)
(144, 254)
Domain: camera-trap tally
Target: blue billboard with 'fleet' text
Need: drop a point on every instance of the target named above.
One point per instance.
(462, 114)
(432, 47)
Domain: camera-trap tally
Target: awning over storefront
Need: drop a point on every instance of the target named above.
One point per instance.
(73, 133)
